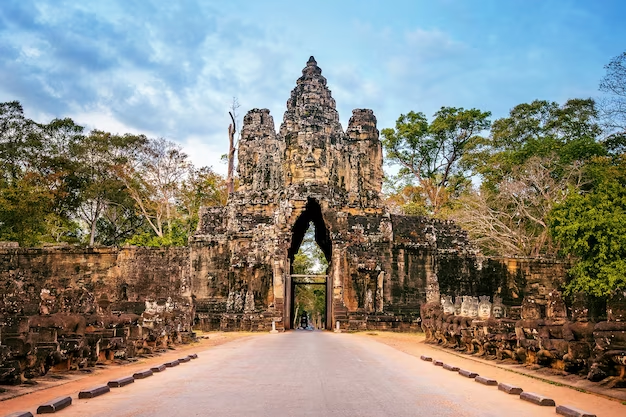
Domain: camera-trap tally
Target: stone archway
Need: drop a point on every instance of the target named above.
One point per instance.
(383, 267)
(312, 214)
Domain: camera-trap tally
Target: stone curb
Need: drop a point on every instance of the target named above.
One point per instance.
(450, 367)
(485, 381)
(437, 362)
(537, 399)
(510, 389)
(20, 414)
(566, 410)
(593, 389)
(185, 359)
(94, 392)
(426, 358)
(121, 382)
(467, 374)
(158, 368)
(143, 374)
(55, 405)
(193, 356)
(172, 364)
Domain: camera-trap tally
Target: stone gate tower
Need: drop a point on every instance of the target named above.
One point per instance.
(382, 267)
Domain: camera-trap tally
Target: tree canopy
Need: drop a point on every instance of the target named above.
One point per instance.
(428, 154)
(592, 227)
(59, 183)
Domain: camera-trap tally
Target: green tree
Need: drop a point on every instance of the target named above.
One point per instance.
(566, 134)
(101, 155)
(201, 187)
(529, 163)
(429, 155)
(40, 183)
(153, 180)
(591, 226)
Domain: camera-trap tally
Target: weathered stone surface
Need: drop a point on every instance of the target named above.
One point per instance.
(566, 410)
(426, 358)
(510, 389)
(68, 308)
(159, 368)
(172, 364)
(437, 362)
(193, 356)
(121, 382)
(143, 374)
(94, 392)
(20, 414)
(449, 367)
(537, 399)
(485, 381)
(55, 405)
(184, 359)
(382, 266)
(467, 374)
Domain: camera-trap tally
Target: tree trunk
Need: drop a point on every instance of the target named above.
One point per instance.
(230, 185)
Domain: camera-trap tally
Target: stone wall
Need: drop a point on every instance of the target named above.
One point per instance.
(68, 307)
(382, 267)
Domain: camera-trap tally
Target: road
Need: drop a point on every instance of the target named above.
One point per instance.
(305, 374)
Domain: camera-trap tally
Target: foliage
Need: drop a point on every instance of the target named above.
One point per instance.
(201, 187)
(402, 198)
(429, 154)
(592, 227)
(102, 155)
(528, 164)
(566, 133)
(60, 184)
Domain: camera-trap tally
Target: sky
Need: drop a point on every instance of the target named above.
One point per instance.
(172, 68)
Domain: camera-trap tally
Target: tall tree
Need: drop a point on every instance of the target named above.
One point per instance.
(513, 220)
(102, 155)
(614, 84)
(153, 181)
(429, 154)
(592, 227)
(201, 187)
(528, 164)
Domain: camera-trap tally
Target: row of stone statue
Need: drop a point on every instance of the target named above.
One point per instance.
(474, 307)
(539, 332)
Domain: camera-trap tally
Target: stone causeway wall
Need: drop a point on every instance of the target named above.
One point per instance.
(68, 308)
(544, 331)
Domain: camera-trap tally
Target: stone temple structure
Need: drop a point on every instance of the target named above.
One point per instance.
(66, 308)
(313, 171)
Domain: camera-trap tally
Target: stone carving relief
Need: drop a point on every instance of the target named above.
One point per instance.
(484, 307)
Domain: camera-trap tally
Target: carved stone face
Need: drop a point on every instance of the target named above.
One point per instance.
(465, 307)
(457, 305)
(530, 310)
(446, 303)
(498, 311)
(473, 309)
(484, 310)
(556, 308)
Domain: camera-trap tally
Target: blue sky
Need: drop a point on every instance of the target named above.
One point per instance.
(171, 68)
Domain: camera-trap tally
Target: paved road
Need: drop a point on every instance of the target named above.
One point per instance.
(305, 374)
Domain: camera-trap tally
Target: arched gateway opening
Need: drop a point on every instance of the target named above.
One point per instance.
(311, 216)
